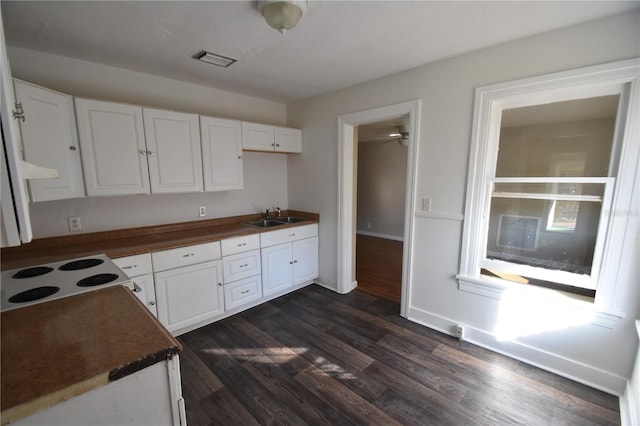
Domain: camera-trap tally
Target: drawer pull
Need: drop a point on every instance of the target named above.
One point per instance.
(295, 261)
(243, 244)
(244, 266)
(244, 292)
(188, 255)
(130, 267)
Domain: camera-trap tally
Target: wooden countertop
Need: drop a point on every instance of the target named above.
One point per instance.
(54, 351)
(127, 242)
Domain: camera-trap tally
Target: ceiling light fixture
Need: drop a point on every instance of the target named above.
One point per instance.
(214, 58)
(282, 15)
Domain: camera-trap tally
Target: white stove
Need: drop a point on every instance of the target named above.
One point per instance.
(43, 283)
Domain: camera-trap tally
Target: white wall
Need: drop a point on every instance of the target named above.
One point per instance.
(382, 177)
(265, 175)
(447, 92)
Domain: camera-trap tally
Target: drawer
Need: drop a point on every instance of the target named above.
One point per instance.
(242, 292)
(239, 244)
(183, 256)
(241, 265)
(281, 236)
(305, 231)
(134, 266)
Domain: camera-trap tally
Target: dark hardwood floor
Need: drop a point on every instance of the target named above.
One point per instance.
(379, 266)
(317, 357)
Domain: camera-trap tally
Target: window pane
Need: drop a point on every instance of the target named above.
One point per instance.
(561, 139)
(520, 232)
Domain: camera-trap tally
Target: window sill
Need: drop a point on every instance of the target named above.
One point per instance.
(497, 288)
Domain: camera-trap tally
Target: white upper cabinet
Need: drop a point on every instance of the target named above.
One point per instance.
(288, 139)
(221, 154)
(262, 137)
(114, 154)
(257, 137)
(50, 139)
(173, 151)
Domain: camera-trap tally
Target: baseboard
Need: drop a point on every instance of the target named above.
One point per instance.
(332, 287)
(629, 408)
(384, 236)
(562, 366)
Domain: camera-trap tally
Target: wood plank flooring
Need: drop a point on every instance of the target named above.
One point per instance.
(317, 357)
(379, 267)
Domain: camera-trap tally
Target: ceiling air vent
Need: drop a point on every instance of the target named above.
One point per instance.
(214, 58)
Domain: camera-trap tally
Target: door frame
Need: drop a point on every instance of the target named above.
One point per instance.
(346, 190)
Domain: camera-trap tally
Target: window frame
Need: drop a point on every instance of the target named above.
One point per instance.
(600, 80)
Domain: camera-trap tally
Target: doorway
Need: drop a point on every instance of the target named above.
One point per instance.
(347, 180)
(382, 152)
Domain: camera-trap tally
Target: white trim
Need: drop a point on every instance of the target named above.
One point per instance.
(562, 366)
(496, 288)
(613, 78)
(346, 231)
(377, 235)
(440, 215)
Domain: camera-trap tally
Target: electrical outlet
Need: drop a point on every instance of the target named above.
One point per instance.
(74, 223)
(426, 204)
(460, 331)
(203, 211)
(369, 225)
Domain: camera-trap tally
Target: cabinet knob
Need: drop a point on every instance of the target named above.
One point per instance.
(143, 152)
(219, 284)
(277, 144)
(239, 157)
(295, 261)
(290, 263)
(152, 302)
(151, 153)
(72, 148)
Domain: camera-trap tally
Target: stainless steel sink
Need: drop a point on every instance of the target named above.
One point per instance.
(264, 223)
(291, 219)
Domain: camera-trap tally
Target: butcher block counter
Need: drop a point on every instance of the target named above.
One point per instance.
(52, 352)
(128, 242)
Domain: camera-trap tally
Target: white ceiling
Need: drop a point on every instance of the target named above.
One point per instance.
(336, 44)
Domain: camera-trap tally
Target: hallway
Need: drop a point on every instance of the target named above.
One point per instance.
(379, 267)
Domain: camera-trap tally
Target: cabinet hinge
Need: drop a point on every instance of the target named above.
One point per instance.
(18, 113)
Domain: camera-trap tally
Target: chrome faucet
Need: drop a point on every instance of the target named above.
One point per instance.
(266, 216)
(279, 212)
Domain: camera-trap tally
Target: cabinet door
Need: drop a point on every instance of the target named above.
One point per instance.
(257, 137)
(112, 146)
(173, 151)
(276, 269)
(189, 295)
(221, 154)
(305, 260)
(146, 292)
(50, 139)
(288, 139)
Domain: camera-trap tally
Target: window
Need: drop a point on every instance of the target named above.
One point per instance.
(551, 159)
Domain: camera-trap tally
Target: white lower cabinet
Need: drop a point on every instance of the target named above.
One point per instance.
(242, 268)
(189, 295)
(276, 269)
(242, 292)
(289, 258)
(139, 269)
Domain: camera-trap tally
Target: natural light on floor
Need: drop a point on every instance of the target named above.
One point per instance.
(278, 356)
(522, 314)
